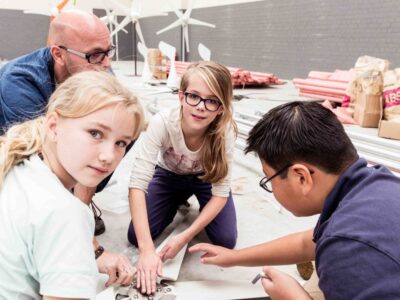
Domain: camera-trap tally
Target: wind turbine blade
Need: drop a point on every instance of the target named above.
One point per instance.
(126, 10)
(186, 37)
(147, 75)
(121, 25)
(139, 32)
(167, 50)
(116, 24)
(142, 49)
(178, 13)
(172, 25)
(105, 19)
(204, 52)
(188, 12)
(201, 23)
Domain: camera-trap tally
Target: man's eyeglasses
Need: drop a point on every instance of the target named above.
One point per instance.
(209, 104)
(92, 58)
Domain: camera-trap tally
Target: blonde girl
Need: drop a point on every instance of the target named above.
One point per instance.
(187, 150)
(45, 232)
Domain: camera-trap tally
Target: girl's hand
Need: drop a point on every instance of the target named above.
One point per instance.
(149, 266)
(118, 268)
(173, 246)
(280, 286)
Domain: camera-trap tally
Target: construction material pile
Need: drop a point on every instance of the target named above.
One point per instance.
(325, 85)
(240, 77)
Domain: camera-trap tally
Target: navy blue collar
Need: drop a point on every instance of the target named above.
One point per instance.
(342, 187)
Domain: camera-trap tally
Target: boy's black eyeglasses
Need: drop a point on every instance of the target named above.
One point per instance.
(92, 58)
(265, 182)
(209, 104)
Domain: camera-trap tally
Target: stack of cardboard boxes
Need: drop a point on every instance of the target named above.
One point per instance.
(375, 96)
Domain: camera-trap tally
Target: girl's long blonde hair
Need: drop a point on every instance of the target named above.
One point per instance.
(80, 95)
(213, 153)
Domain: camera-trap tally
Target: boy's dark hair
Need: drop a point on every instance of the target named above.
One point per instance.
(302, 131)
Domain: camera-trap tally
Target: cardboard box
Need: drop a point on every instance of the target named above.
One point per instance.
(368, 110)
(389, 129)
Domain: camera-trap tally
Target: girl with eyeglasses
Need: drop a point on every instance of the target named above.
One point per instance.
(187, 150)
(45, 231)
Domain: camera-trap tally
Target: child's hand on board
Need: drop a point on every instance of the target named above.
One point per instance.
(149, 266)
(173, 246)
(214, 255)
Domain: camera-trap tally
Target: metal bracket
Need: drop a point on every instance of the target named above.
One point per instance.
(163, 292)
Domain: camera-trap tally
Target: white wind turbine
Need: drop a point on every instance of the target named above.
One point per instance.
(111, 20)
(184, 20)
(132, 14)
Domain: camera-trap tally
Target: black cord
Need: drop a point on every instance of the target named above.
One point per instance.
(96, 210)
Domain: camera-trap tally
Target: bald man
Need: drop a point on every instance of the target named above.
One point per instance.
(77, 41)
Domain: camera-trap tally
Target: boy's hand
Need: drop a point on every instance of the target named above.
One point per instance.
(214, 255)
(280, 286)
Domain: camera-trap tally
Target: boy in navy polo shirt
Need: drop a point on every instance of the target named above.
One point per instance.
(312, 167)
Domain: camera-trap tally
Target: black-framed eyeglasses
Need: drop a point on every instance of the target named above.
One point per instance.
(92, 58)
(265, 182)
(209, 104)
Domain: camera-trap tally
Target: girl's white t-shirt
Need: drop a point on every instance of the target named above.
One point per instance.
(46, 237)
